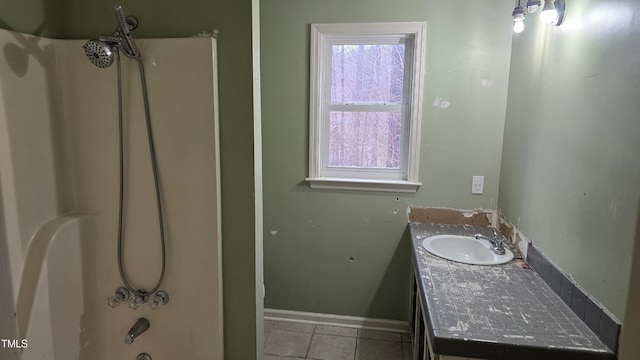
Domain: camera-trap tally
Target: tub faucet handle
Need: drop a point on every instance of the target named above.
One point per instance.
(120, 296)
(139, 298)
(160, 298)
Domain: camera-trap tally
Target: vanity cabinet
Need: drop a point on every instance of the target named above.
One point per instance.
(475, 312)
(421, 347)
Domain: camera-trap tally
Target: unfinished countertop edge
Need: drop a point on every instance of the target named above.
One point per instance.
(483, 349)
(443, 344)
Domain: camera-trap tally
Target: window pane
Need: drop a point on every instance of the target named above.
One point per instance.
(367, 73)
(364, 139)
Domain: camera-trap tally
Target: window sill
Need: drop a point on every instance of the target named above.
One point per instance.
(364, 184)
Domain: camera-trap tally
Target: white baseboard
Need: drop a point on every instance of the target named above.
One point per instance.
(336, 320)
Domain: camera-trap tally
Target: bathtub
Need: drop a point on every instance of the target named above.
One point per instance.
(50, 302)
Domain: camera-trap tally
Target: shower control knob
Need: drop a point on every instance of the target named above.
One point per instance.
(135, 302)
(140, 298)
(160, 298)
(121, 295)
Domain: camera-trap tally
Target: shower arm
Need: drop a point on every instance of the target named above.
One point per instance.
(112, 40)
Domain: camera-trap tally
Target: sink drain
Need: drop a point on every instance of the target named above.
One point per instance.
(143, 356)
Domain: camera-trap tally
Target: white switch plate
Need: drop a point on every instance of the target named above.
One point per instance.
(477, 185)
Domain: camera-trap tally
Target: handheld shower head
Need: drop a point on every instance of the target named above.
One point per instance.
(99, 53)
(125, 30)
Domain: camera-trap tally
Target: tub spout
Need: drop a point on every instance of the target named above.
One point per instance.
(138, 328)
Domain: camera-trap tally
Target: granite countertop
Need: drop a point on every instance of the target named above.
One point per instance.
(496, 312)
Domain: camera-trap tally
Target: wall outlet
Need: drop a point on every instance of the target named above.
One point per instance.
(477, 185)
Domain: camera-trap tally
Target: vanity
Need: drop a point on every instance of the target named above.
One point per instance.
(461, 311)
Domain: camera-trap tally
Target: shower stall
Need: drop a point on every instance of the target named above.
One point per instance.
(109, 180)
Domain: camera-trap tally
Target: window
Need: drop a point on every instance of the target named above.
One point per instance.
(365, 105)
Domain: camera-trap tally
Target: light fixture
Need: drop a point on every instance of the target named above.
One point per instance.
(552, 12)
(518, 19)
(533, 5)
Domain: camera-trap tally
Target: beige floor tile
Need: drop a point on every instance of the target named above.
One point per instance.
(268, 325)
(336, 330)
(293, 326)
(287, 343)
(330, 347)
(369, 349)
(379, 335)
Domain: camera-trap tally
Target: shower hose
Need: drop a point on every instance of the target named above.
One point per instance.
(154, 167)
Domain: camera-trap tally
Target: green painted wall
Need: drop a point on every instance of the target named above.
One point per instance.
(571, 157)
(39, 17)
(310, 235)
(163, 18)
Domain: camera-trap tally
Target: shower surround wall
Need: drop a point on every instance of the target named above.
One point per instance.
(59, 156)
(28, 171)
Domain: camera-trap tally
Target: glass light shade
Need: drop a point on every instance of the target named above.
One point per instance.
(532, 6)
(549, 12)
(518, 26)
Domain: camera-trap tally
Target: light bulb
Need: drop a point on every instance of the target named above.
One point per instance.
(532, 6)
(549, 12)
(518, 26)
(518, 19)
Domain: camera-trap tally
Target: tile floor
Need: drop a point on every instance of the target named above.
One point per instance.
(295, 341)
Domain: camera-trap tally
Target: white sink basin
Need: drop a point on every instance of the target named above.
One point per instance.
(465, 249)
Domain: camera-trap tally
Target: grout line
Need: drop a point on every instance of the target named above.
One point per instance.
(306, 356)
(355, 351)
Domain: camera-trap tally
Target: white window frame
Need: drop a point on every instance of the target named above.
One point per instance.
(323, 36)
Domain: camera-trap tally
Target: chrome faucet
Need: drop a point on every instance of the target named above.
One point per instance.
(497, 243)
(138, 328)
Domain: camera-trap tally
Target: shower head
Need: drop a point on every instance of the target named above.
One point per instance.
(99, 52)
